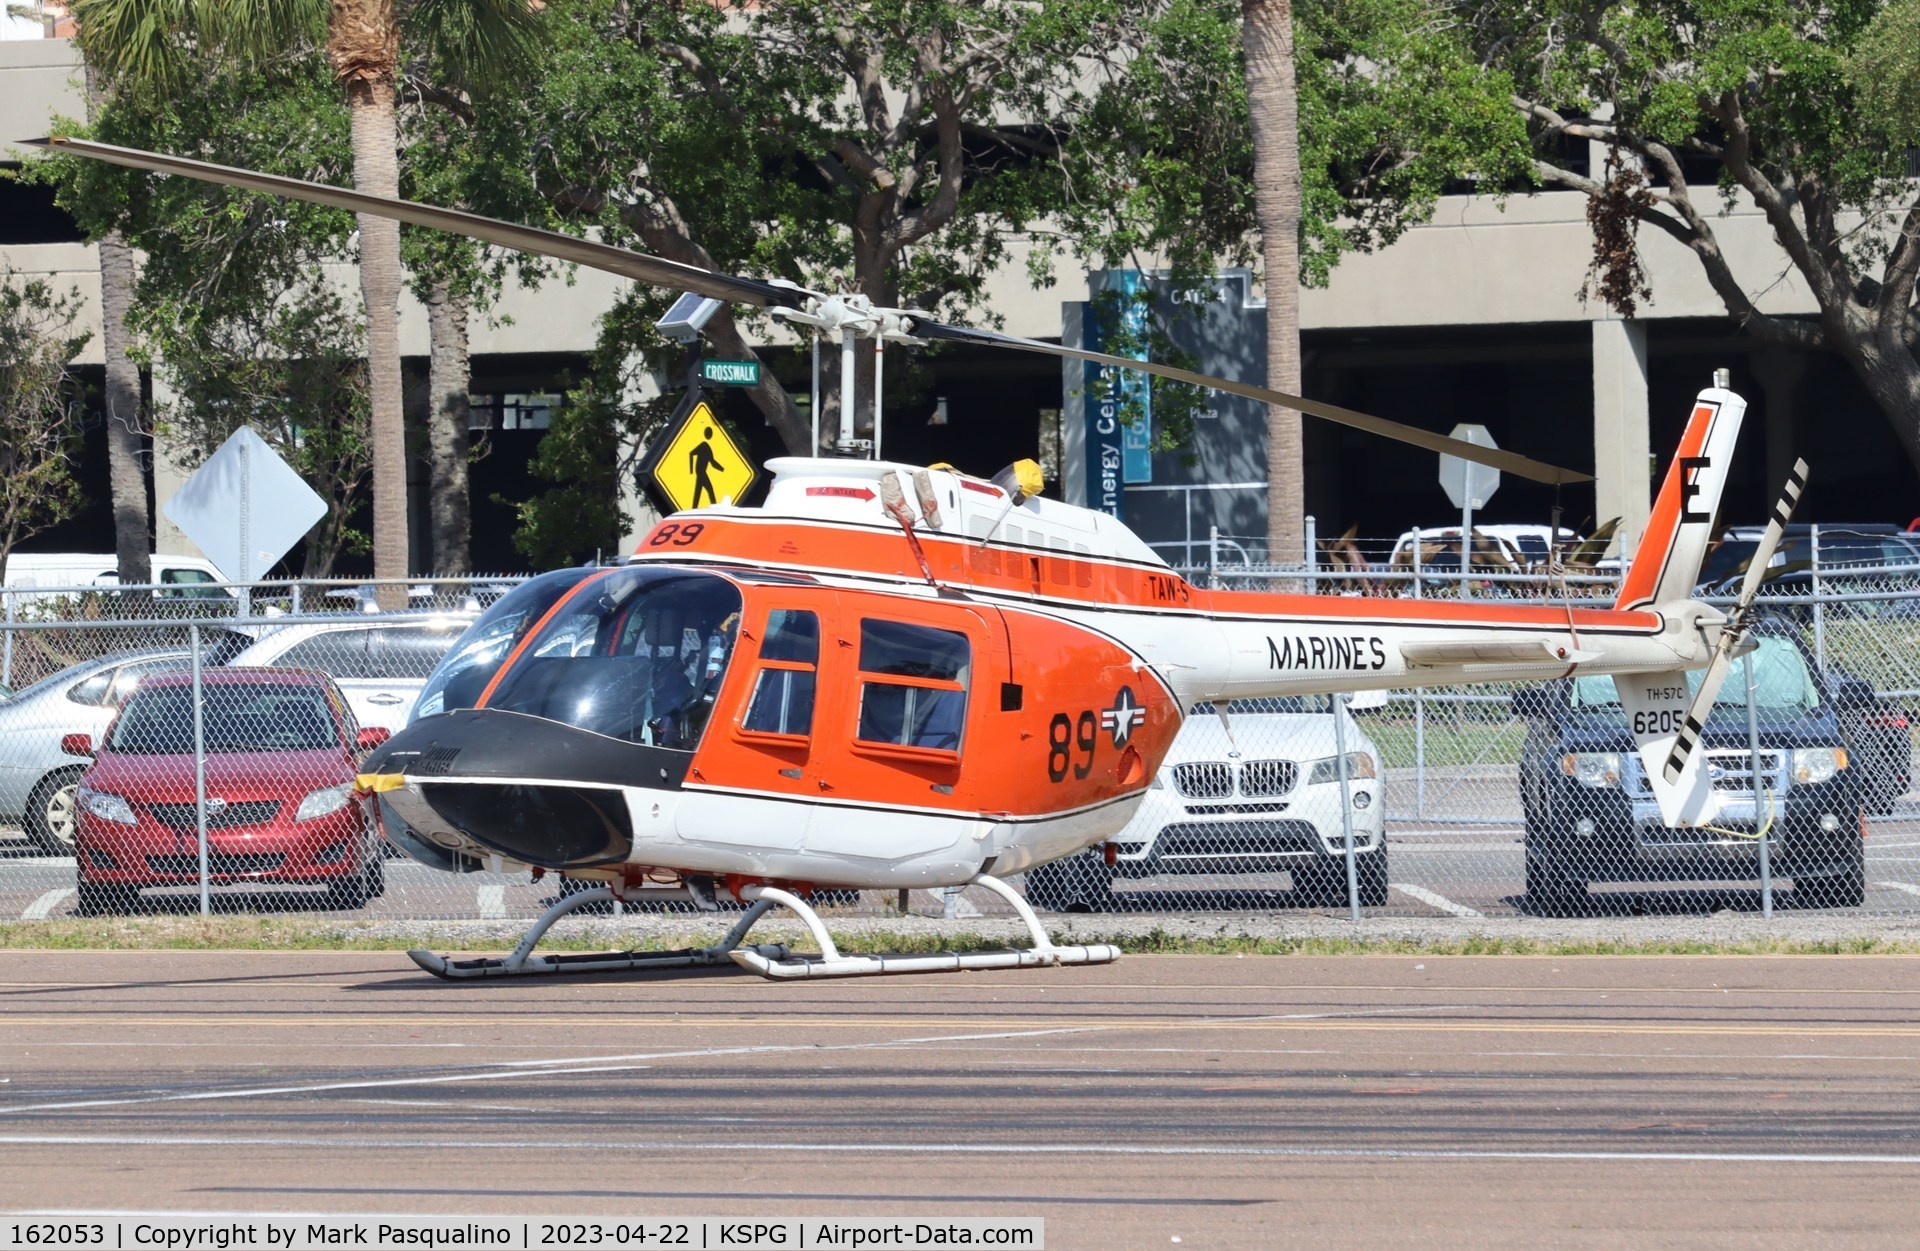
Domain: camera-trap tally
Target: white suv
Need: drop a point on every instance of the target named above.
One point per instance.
(379, 664)
(1258, 795)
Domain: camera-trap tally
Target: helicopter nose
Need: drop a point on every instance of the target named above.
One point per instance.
(534, 790)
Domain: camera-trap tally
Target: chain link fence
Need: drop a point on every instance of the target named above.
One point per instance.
(1466, 802)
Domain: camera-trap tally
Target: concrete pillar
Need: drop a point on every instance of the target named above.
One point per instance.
(1623, 479)
(1779, 371)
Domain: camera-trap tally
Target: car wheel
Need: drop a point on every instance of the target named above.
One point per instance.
(97, 899)
(53, 818)
(1373, 877)
(1079, 883)
(1842, 887)
(1550, 888)
(351, 894)
(1321, 883)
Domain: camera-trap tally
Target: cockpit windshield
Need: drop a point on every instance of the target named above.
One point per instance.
(635, 654)
(456, 682)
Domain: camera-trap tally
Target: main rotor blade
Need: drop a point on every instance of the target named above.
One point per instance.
(1508, 462)
(674, 275)
(1701, 706)
(655, 270)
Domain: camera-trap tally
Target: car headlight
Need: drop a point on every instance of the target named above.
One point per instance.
(1817, 764)
(107, 806)
(324, 803)
(1600, 769)
(1359, 766)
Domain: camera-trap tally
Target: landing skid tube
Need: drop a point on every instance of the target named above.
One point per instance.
(523, 963)
(830, 963)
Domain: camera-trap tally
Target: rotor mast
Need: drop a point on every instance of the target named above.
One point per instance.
(853, 318)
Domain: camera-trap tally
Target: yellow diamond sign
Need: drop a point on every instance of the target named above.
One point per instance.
(700, 464)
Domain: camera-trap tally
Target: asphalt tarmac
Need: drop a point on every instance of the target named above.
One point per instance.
(1161, 1101)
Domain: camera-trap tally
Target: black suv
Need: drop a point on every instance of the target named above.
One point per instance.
(1591, 813)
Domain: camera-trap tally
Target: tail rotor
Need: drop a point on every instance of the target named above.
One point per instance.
(1735, 630)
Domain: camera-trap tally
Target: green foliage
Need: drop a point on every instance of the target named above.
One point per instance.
(803, 140)
(589, 451)
(1767, 86)
(39, 407)
(232, 298)
(1884, 71)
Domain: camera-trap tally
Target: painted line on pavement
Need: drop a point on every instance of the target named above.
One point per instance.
(42, 908)
(1434, 900)
(666, 1146)
(1910, 889)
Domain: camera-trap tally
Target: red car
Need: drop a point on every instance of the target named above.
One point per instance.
(281, 749)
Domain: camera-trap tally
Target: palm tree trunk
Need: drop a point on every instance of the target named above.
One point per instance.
(449, 375)
(127, 481)
(132, 544)
(1267, 41)
(376, 169)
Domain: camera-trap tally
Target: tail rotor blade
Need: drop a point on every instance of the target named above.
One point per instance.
(1775, 531)
(1702, 703)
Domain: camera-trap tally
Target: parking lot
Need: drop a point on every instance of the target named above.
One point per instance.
(1439, 872)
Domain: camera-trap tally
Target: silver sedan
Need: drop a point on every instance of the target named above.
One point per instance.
(37, 779)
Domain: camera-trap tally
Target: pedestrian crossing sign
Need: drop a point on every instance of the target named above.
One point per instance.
(695, 462)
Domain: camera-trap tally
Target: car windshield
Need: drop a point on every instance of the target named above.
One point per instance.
(470, 664)
(237, 717)
(635, 654)
(1783, 686)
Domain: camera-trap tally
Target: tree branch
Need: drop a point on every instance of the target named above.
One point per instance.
(1897, 277)
(1738, 155)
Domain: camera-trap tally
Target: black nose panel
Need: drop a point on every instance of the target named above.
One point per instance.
(489, 743)
(527, 787)
(554, 826)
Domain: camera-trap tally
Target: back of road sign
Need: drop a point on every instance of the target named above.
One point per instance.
(245, 507)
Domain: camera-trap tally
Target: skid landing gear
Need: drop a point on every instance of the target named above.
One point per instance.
(830, 963)
(772, 960)
(523, 963)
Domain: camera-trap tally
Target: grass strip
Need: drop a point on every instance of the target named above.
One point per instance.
(293, 934)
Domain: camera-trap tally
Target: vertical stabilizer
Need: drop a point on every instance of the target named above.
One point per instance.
(1681, 525)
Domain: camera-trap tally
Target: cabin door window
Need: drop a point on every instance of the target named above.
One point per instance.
(783, 689)
(913, 685)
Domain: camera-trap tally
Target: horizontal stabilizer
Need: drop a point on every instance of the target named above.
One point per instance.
(1496, 652)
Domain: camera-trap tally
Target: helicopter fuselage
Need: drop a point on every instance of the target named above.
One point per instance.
(824, 692)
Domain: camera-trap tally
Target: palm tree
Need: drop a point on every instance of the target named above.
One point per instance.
(143, 45)
(126, 426)
(1266, 36)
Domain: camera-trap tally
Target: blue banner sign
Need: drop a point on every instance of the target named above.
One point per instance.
(1136, 389)
(1105, 454)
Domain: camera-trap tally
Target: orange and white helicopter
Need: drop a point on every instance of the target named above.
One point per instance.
(887, 676)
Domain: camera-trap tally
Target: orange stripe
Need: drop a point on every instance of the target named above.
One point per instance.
(1663, 526)
(530, 635)
(827, 548)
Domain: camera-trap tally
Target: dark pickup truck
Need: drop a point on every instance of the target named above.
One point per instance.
(1591, 814)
